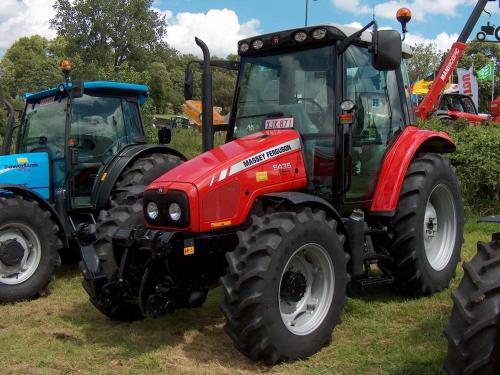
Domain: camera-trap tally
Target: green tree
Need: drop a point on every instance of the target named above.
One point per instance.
(110, 32)
(426, 58)
(29, 65)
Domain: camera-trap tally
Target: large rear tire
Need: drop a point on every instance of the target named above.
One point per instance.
(427, 229)
(29, 245)
(473, 331)
(126, 211)
(285, 287)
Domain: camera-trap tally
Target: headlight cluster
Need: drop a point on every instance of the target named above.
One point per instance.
(170, 209)
(286, 38)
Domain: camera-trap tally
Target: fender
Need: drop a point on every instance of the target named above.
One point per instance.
(117, 165)
(397, 161)
(32, 195)
(298, 198)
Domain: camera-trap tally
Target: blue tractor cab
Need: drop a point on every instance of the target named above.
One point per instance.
(77, 148)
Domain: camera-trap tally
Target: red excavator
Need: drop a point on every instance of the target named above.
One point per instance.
(450, 107)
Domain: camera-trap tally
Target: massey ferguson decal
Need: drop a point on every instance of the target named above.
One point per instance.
(265, 155)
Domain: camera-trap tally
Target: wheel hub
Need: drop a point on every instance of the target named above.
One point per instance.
(293, 286)
(439, 227)
(431, 223)
(11, 253)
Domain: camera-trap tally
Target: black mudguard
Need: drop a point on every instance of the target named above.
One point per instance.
(119, 163)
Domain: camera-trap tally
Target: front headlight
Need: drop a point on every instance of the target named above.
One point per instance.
(174, 210)
(152, 210)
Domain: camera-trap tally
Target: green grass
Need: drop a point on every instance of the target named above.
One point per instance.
(62, 333)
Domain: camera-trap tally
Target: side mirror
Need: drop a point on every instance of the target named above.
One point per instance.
(387, 50)
(164, 136)
(77, 88)
(188, 83)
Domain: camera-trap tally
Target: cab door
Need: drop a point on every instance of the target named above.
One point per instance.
(378, 119)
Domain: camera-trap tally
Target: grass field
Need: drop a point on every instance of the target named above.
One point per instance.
(62, 333)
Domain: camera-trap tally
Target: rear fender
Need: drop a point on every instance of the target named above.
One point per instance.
(7, 189)
(397, 160)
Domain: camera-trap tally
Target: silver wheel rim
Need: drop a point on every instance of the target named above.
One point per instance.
(27, 238)
(440, 227)
(305, 315)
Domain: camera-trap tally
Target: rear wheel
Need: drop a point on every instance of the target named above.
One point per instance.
(427, 228)
(473, 331)
(126, 211)
(285, 288)
(28, 249)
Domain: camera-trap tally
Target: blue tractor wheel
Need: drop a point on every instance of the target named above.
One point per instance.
(29, 245)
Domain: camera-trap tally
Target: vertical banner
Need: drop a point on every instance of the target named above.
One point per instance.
(467, 83)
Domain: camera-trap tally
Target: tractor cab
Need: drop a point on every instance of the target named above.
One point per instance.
(80, 134)
(298, 79)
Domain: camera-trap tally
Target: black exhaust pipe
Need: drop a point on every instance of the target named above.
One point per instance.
(10, 128)
(206, 98)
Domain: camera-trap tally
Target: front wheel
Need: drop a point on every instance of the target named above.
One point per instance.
(28, 249)
(427, 229)
(285, 288)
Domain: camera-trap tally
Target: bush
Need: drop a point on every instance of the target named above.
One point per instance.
(477, 159)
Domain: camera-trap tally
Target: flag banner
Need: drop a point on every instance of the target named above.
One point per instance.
(467, 83)
(421, 87)
(486, 73)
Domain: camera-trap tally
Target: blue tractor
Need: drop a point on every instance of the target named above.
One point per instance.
(79, 148)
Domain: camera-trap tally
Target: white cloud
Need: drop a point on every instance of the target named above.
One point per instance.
(443, 41)
(421, 9)
(24, 18)
(220, 29)
(357, 25)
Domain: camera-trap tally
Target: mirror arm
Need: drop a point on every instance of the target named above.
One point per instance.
(350, 39)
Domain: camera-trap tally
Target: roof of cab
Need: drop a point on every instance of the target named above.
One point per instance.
(141, 91)
(334, 31)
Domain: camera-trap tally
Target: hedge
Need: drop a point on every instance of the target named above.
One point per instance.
(477, 159)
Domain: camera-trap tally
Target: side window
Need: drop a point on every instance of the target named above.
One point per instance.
(378, 118)
(132, 119)
(468, 105)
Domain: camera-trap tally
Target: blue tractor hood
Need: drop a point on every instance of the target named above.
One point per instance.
(109, 87)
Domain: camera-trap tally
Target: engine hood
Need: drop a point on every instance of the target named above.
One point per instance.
(233, 157)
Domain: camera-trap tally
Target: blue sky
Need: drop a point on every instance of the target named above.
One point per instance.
(437, 21)
(221, 23)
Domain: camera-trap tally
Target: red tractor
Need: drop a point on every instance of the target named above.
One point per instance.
(324, 178)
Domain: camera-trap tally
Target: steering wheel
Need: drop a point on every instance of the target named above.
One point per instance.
(322, 113)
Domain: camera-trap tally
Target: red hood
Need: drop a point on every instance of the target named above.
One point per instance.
(226, 156)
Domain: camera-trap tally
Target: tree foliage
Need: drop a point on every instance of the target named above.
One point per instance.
(426, 58)
(110, 31)
(28, 65)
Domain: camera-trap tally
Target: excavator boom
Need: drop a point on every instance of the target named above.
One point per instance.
(450, 63)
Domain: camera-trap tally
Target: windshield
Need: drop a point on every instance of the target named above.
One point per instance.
(102, 125)
(290, 90)
(43, 128)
